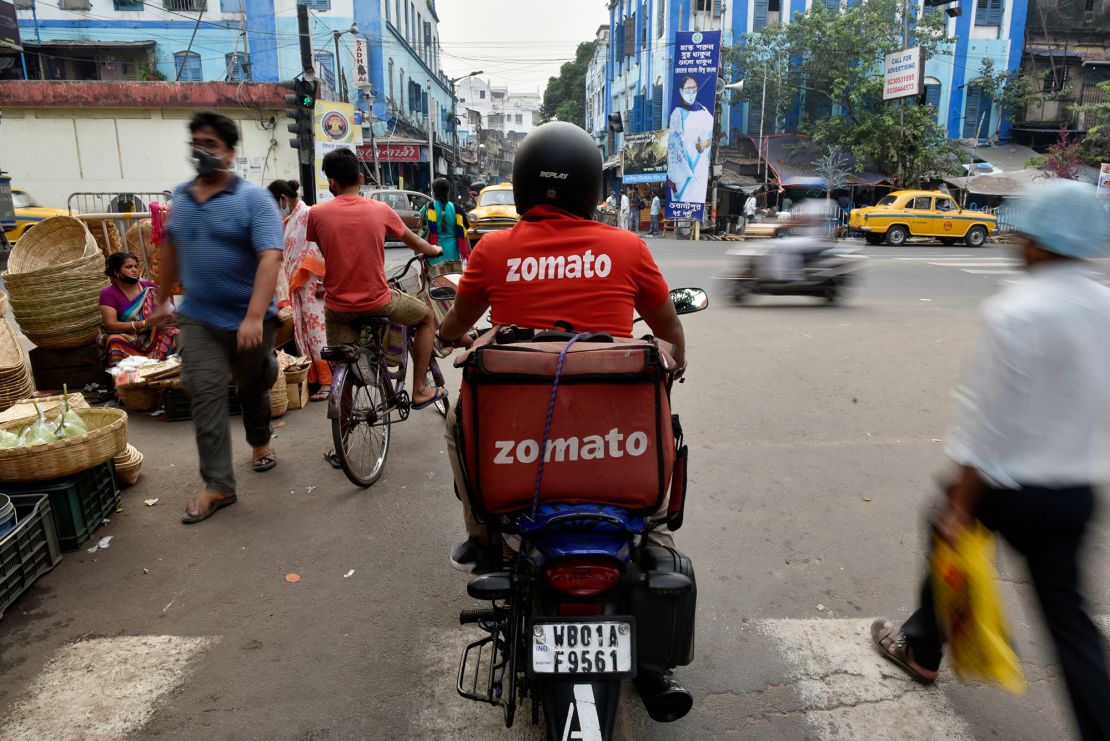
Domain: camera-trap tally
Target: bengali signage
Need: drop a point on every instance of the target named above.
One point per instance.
(904, 73)
(690, 129)
(335, 128)
(393, 152)
(644, 157)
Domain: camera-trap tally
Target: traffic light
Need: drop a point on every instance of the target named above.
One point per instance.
(300, 106)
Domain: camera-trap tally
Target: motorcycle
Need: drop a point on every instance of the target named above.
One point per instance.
(582, 596)
(794, 266)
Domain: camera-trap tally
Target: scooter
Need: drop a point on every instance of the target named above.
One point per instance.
(579, 600)
(794, 266)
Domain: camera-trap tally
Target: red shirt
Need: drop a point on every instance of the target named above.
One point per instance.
(351, 231)
(554, 266)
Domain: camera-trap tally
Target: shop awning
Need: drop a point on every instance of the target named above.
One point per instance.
(1006, 157)
(1002, 184)
(614, 161)
(792, 156)
(740, 183)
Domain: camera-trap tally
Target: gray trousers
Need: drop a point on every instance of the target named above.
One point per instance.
(209, 357)
(660, 536)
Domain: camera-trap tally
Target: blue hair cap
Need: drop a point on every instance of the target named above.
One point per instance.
(1064, 217)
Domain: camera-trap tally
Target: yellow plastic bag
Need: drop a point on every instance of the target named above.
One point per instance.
(969, 610)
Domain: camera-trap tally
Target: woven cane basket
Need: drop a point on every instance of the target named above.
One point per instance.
(53, 242)
(128, 464)
(106, 234)
(295, 374)
(106, 438)
(279, 397)
(141, 397)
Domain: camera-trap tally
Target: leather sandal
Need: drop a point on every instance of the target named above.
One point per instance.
(213, 504)
(264, 462)
(892, 646)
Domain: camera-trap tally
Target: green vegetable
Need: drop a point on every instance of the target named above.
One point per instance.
(8, 439)
(40, 431)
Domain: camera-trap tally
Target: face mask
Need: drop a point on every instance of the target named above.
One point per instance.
(689, 96)
(206, 164)
(128, 279)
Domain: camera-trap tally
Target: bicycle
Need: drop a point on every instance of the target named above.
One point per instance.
(368, 387)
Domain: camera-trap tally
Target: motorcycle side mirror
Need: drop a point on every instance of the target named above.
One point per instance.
(668, 584)
(442, 293)
(491, 586)
(689, 300)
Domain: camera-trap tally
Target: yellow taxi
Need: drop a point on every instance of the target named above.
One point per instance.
(921, 213)
(28, 213)
(495, 210)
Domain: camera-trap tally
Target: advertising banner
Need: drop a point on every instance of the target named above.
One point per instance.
(1104, 180)
(9, 27)
(335, 128)
(645, 157)
(690, 132)
(362, 64)
(904, 73)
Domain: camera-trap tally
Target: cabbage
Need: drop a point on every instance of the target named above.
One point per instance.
(8, 439)
(40, 430)
(71, 423)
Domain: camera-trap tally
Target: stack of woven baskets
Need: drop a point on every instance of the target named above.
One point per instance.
(128, 465)
(54, 278)
(15, 377)
(279, 397)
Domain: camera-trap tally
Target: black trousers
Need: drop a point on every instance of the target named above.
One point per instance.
(1046, 526)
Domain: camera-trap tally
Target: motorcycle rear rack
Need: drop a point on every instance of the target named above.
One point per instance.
(493, 654)
(468, 681)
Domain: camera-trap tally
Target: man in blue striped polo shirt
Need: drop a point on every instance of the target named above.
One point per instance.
(224, 244)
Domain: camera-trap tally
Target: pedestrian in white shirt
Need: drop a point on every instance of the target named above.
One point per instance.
(656, 211)
(1031, 442)
(749, 211)
(626, 209)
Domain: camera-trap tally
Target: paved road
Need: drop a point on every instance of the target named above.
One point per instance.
(815, 436)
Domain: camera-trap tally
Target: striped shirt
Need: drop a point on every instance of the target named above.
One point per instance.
(217, 244)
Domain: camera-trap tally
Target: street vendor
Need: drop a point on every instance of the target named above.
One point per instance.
(126, 309)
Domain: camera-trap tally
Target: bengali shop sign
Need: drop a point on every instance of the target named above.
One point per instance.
(903, 73)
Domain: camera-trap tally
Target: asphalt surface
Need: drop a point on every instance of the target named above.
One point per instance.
(815, 438)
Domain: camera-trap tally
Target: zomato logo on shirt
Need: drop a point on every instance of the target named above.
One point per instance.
(558, 267)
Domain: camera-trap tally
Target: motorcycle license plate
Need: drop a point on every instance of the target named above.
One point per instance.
(582, 646)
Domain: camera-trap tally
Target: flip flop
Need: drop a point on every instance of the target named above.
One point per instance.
(892, 647)
(437, 397)
(264, 462)
(321, 394)
(333, 459)
(227, 501)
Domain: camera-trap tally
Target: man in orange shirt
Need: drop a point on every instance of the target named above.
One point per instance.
(351, 232)
(556, 265)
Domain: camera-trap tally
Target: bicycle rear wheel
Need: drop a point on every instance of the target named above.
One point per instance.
(434, 379)
(361, 431)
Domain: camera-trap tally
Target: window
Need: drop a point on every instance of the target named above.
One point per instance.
(703, 6)
(427, 41)
(520, 118)
(318, 4)
(921, 203)
(977, 112)
(388, 12)
(759, 22)
(660, 16)
(138, 5)
(628, 35)
(833, 5)
(1055, 79)
(482, 94)
(1089, 6)
(401, 90)
(185, 5)
(946, 204)
(325, 67)
(226, 6)
(412, 24)
(988, 12)
(187, 66)
(932, 95)
(238, 66)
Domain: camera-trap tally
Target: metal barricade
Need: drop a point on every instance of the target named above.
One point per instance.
(100, 211)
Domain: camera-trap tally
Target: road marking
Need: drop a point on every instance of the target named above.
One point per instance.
(850, 692)
(993, 272)
(975, 264)
(103, 688)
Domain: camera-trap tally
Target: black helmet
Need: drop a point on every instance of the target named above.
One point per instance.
(558, 164)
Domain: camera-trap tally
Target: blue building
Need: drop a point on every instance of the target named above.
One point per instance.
(258, 41)
(640, 57)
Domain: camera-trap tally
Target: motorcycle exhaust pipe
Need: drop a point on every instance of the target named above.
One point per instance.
(664, 698)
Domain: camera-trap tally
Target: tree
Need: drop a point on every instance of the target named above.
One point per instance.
(833, 167)
(565, 96)
(827, 66)
(1063, 158)
(1096, 147)
(1012, 92)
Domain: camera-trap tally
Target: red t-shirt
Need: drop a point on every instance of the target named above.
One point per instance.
(351, 231)
(553, 266)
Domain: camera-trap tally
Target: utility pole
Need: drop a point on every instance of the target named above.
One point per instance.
(307, 154)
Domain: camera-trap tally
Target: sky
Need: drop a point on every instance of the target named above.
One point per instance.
(518, 43)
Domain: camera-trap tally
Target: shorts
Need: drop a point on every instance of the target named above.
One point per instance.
(402, 309)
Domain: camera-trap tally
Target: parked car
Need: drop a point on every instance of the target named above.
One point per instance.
(407, 204)
(28, 213)
(921, 213)
(496, 210)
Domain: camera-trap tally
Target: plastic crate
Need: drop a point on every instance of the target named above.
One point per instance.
(30, 550)
(178, 407)
(80, 503)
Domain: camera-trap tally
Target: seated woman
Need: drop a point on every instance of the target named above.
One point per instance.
(126, 307)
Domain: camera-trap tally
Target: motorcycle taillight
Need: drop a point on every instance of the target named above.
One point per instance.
(583, 576)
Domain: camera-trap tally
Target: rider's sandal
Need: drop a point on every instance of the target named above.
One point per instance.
(440, 395)
(893, 648)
